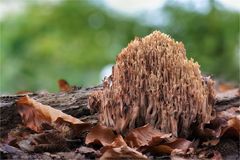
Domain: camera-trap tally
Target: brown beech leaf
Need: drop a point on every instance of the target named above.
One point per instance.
(145, 136)
(118, 149)
(160, 149)
(100, 135)
(117, 142)
(211, 130)
(179, 143)
(123, 152)
(64, 86)
(232, 129)
(34, 114)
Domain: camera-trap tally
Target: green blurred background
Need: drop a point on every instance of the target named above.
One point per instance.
(47, 40)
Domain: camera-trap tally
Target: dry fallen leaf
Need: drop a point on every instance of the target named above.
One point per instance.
(100, 135)
(232, 129)
(123, 152)
(117, 142)
(114, 147)
(34, 114)
(160, 149)
(64, 86)
(118, 149)
(225, 124)
(145, 136)
(167, 148)
(211, 130)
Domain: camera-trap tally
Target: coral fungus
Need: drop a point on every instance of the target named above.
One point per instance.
(154, 82)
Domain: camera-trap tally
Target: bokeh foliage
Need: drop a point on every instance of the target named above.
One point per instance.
(212, 39)
(74, 40)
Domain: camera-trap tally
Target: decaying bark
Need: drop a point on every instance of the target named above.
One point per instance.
(226, 99)
(154, 82)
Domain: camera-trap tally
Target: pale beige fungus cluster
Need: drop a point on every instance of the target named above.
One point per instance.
(154, 82)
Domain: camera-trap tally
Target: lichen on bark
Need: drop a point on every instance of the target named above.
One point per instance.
(154, 82)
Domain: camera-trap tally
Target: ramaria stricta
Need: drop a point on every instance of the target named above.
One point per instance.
(154, 82)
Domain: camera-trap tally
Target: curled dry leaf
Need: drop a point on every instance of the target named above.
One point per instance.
(160, 149)
(232, 129)
(211, 130)
(114, 147)
(167, 148)
(145, 136)
(123, 152)
(64, 86)
(117, 142)
(225, 124)
(118, 149)
(34, 114)
(100, 135)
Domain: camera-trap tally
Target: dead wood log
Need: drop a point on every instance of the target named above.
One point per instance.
(230, 98)
(75, 104)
